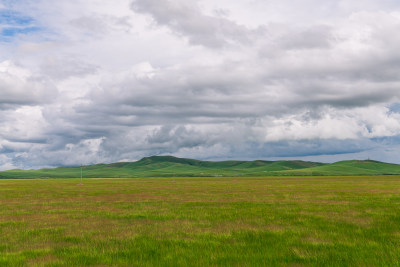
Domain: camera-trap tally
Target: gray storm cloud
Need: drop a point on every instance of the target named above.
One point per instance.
(200, 79)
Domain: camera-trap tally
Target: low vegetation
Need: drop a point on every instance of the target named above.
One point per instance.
(236, 221)
(167, 166)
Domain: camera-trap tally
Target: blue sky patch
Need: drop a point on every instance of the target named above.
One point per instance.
(10, 32)
(9, 17)
(13, 23)
(394, 108)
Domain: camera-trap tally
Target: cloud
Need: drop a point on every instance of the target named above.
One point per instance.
(318, 36)
(187, 19)
(21, 87)
(63, 68)
(97, 25)
(104, 82)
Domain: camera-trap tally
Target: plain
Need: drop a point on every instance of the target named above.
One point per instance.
(238, 221)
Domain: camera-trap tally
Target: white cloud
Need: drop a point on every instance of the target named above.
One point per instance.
(19, 86)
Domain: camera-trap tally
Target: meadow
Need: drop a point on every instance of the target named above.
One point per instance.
(220, 221)
(168, 166)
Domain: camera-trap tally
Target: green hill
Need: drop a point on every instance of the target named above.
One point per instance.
(350, 167)
(168, 166)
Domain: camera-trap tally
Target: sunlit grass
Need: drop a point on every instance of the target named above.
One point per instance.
(334, 221)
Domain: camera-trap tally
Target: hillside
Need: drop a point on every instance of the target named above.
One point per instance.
(168, 166)
(350, 167)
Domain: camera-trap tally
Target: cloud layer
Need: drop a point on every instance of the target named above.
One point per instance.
(103, 82)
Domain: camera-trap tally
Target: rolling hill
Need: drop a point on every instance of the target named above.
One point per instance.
(168, 166)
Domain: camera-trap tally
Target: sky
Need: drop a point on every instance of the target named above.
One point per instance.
(95, 81)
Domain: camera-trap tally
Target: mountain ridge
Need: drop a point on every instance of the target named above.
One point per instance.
(170, 166)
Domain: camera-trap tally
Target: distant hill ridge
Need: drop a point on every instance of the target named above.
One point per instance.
(169, 166)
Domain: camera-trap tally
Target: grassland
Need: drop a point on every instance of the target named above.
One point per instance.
(239, 221)
(167, 166)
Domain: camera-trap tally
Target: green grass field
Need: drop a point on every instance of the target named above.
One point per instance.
(168, 166)
(270, 221)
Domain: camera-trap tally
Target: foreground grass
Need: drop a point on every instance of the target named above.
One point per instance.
(335, 221)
